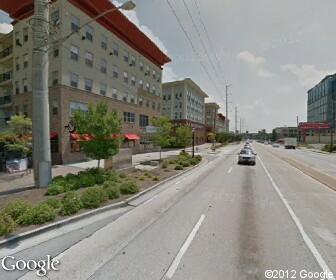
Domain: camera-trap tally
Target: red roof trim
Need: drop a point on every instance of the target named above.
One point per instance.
(116, 22)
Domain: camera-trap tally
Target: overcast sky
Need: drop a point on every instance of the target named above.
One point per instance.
(271, 51)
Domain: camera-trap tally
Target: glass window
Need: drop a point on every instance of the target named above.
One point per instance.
(154, 74)
(103, 43)
(141, 65)
(74, 80)
(56, 52)
(54, 18)
(25, 85)
(143, 121)
(103, 65)
(25, 60)
(140, 83)
(88, 84)
(126, 56)
(89, 33)
(54, 77)
(133, 61)
(17, 38)
(25, 34)
(129, 117)
(115, 48)
(54, 107)
(89, 59)
(17, 87)
(114, 93)
(74, 52)
(17, 61)
(126, 77)
(74, 24)
(133, 81)
(148, 86)
(115, 71)
(103, 89)
(75, 106)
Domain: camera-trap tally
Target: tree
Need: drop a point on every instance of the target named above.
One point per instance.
(102, 126)
(274, 136)
(20, 125)
(183, 136)
(162, 135)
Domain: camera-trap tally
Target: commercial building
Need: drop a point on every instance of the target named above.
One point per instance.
(321, 103)
(109, 60)
(211, 112)
(283, 132)
(315, 133)
(221, 123)
(183, 102)
(6, 77)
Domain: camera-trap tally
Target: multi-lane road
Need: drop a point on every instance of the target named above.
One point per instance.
(220, 221)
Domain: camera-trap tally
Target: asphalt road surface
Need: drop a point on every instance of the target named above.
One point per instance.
(221, 221)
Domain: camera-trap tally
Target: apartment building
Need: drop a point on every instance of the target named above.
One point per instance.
(211, 112)
(6, 77)
(321, 101)
(183, 102)
(109, 60)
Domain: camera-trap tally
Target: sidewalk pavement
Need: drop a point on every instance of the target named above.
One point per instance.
(22, 180)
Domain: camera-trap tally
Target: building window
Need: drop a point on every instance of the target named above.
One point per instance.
(140, 101)
(141, 65)
(159, 107)
(133, 81)
(159, 79)
(153, 89)
(54, 146)
(147, 71)
(115, 48)
(75, 106)
(126, 77)
(132, 99)
(25, 110)
(25, 85)
(54, 17)
(17, 87)
(103, 66)
(89, 33)
(74, 80)
(114, 93)
(74, 24)
(103, 43)
(143, 121)
(17, 67)
(126, 56)
(17, 39)
(129, 117)
(154, 74)
(74, 52)
(25, 34)
(56, 52)
(147, 103)
(153, 105)
(89, 59)
(140, 83)
(147, 86)
(88, 84)
(133, 61)
(54, 107)
(25, 60)
(54, 76)
(103, 89)
(115, 71)
(125, 98)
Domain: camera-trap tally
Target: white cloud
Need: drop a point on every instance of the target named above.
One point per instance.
(308, 75)
(5, 27)
(257, 62)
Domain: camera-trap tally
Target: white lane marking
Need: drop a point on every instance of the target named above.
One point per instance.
(322, 263)
(326, 235)
(230, 170)
(149, 200)
(184, 248)
(177, 182)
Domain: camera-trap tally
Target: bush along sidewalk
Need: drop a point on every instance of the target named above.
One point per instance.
(89, 189)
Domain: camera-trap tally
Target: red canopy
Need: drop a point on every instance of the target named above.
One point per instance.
(132, 136)
(53, 135)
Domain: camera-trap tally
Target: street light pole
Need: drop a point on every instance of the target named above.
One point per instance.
(193, 142)
(227, 107)
(40, 91)
(332, 124)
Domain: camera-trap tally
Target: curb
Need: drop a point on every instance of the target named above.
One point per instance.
(22, 189)
(59, 224)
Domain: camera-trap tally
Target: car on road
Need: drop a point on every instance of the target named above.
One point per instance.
(275, 145)
(247, 156)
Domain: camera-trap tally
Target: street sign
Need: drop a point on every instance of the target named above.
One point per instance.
(151, 129)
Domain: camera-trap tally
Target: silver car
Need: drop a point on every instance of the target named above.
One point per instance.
(247, 156)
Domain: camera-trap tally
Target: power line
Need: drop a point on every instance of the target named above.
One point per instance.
(191, 44)
(208, 36)
(201, 39)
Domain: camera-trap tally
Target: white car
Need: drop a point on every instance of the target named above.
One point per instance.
(275, 145)
(247, 156)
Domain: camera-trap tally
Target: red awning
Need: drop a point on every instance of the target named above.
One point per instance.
(132, 137)
(75, 137)
(53, 135)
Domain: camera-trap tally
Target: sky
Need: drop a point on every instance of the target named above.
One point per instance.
(271, 52)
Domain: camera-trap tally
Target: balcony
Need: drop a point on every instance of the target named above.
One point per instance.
(6, 53)
(5, 101)
(6, 77)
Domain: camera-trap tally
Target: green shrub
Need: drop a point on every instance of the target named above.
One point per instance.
(58, 179)
(37, 215)
(16, 208)
(107, 184)
(164, 164)
(112, 192)
(193, 161)
(129, 188)
(87, 180)
(142, 178)
(184, 154)
(54, 203)
(178, 167)
(184, 163)
(55, 189)
(7, 224)
(172, 161)
(71, 204)
(112, 176)
(156, 178)
(93, 197)
(198, 157)
(122, 175)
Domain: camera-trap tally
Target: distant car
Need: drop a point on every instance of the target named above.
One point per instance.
(266, 142)
(247, 156)
(276, 145)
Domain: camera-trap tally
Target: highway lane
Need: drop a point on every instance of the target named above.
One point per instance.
(224, 221)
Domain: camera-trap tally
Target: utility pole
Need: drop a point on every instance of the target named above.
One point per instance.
(332, 125)
(236, 113)
(40, 69)
(227, 108)
(240, 125)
